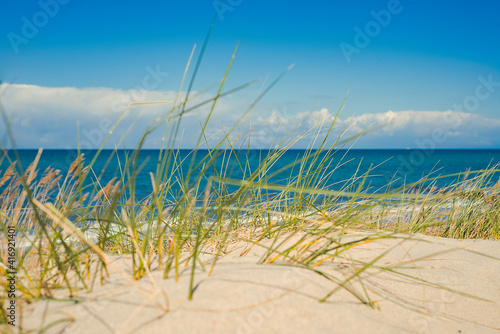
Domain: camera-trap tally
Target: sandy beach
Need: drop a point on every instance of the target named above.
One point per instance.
(241, 296)
(249, 167)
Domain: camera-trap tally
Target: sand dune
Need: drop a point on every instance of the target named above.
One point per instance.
(244, 297)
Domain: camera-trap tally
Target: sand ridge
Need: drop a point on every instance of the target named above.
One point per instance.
(241, 296)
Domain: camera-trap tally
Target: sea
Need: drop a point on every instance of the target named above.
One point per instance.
(385, 168)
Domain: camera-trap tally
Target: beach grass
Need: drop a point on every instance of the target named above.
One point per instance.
(68, 225)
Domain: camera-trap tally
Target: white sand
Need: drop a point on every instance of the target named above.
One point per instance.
(243, 297)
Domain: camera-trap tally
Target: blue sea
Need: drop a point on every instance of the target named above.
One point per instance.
(397, 167)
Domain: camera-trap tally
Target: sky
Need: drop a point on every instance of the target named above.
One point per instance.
(421, 74)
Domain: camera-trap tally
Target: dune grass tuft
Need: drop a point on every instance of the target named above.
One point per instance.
(67, 225)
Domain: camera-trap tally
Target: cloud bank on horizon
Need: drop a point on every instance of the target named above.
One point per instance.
(51, 118)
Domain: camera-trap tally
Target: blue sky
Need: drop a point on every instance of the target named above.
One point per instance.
(427, 57)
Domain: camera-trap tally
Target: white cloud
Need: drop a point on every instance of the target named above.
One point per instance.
(47, 117)
(440, 129)
(401, 129)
